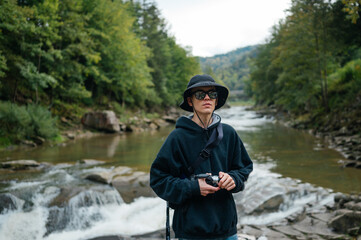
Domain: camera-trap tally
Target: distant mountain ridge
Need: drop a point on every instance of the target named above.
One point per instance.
(231, 68)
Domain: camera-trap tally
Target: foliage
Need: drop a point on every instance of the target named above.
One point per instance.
(352, 7)
(171, 65)
(74, 51)
(67, 54)
(26, 122)
(345, 86)
(42, 122)
(303, 68)
(14, 121)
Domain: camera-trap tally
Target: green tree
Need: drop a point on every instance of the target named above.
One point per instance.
(122, 72)
(171, 65)
(25, 41)
(294, 69)
(305, 54)
(265, 72)
(352, 8)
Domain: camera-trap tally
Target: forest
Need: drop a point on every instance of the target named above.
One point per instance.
(58, 57)
(310, 67)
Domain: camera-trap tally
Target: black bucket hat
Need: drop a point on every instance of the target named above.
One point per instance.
(204, 81)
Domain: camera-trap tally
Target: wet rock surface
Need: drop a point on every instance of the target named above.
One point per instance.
(129, 183)
(20, 164)
(102, 120)
(8, 202)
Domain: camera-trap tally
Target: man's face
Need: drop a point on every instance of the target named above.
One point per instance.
(207, 104)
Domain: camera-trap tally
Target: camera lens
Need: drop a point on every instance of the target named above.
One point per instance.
(212, 180)
(215, 179)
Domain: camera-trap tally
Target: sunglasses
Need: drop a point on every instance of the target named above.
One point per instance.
(200, 94)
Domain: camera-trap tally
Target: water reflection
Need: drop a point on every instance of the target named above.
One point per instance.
(131, 149)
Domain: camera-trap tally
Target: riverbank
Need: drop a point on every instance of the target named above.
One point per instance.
(100, 122)
(341, 132)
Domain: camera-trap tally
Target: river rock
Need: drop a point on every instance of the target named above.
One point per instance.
(261, 204)
(90, 162)
(153, 126)
(272, 235)
(129, 184)
(66, 193)
(20, 164)
(160, 122)
(271, 204)
(170, 119)
(289, 231)
(104, 121)
(101, 177)
(9, 202)
(313, 226)
(353, 206)
(70, 136)
(39, 140)
(252, 230)
(346, 220)
(28, 143)
(106, 177)
(134, 128)
(133, 186)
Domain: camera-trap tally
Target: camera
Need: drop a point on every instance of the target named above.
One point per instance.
(210, 179)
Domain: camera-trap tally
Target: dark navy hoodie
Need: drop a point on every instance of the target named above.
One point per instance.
(196, 216)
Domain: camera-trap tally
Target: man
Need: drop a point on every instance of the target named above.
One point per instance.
(201, 211)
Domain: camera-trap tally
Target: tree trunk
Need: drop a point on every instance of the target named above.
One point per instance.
(15, 90)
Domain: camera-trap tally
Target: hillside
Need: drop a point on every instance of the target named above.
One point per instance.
(231, 68)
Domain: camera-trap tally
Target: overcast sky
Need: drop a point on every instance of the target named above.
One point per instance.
(218, 26)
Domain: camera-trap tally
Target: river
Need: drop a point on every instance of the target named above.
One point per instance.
(289, 163)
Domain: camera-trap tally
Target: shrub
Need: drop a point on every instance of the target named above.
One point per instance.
(345, 85)
(20, 122)
(15, 122)
(44, 125)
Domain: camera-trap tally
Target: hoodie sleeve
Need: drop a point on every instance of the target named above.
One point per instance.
(241, 165)
(166, 172)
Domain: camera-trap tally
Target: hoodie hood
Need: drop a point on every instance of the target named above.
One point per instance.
(187, 123)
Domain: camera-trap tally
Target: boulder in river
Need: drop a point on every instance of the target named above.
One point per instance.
(130, 184)
(106, 177)
(20, 164)
(102, 120)
(133, 186)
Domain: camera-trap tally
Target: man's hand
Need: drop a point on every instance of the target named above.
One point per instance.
(226, 181)
(206, 188)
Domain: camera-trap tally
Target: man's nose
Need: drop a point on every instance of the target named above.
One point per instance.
(207, 97)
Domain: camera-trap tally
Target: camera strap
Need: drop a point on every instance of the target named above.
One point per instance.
(212, 142)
